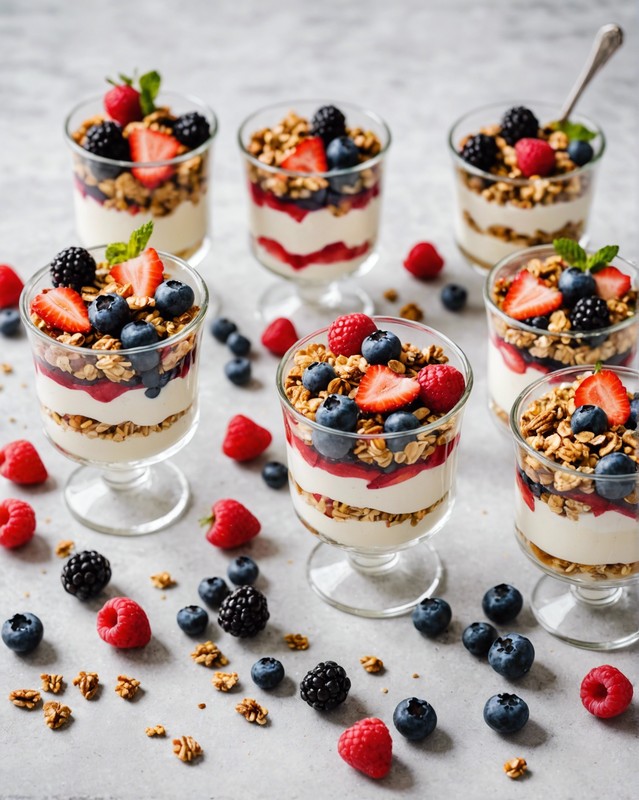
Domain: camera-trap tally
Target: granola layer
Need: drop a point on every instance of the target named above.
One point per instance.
(94, 429)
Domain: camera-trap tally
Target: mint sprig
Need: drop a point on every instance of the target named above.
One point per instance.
(574, 130)
(149, 88)
(573, 254)
(117, 252)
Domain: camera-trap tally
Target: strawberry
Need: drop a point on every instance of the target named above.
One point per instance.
(17, 523)
(528, 296)
(346, 334)
(20, 463)
(381, 390)
(526, 492)
(367, 746)
(605, 389)
(308, 156)
(534, 157)
(122, 103)
(232, 524)
(279, 336)
(144, 273)
(612, 283)
(62, 308)
(511, 355)
(440, 387)
(424, 262)
(147, 145)
(10, 286)
(245, 439)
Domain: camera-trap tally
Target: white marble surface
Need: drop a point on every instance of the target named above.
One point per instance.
(419, 65)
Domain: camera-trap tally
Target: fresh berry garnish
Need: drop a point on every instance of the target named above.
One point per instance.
(590, 314)
(367, 747)
(144, 272)
(267, 673)
(245, 439)
(20, 463)
(340, 413)
(381, 390)
(342, 153)
(511, 355)
(511, 655)
(397, 422)
(605, 389)
(326, 686)
(346, 334)
(17, 523)
(534, 157)
(528, 296)
(441, 387)
(575, 283)
(192, 620)
(9, 322)
(424, 262)
(122, 103)
(244, 613)
(192, 129)
(238, 344)
(173, 298)
(22, 633)
(109, 313)
(525, 486)
(122, 623)
(328, 123)
(231, 524)
(62, 308)
(454, 297)
(381, 347)
(480, 151)
(106, 140)
(141, 334)
(605, 692)
(242, 571)
(148, 146)
(506, 713)
(86, 574)
(275, 474)
(540, 322)
(580, 152)
(222, 328)
(308, 156)
(212, 591)
(478, 637)
(617, 465)
(238, 371)
(611, 283)
(519, 123)
(279, 336)
(415, 719)
(317, 376)
(502, 603)
(432, 616)
(10, 286)
(589, 418)
(633, 420)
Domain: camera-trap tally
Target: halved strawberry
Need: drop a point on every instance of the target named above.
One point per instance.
(529, 296)
(382, 390)
(147, 145)
(62, 308)
(511, 355)
(605, 389)
(611, 283)
(144, 273)
(308, 156)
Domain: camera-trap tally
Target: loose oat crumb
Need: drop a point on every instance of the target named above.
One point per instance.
(384, 690)
(64, 548)
(252, 711)
(296, 641)
(6, 369)
(209, 655)
(411, 311)
(87, 683)
(127, 687)
(372, 663)
(201, 705)
(186, 748)
(162, 580)
(516, 767)
(391, 295)
(156, 730)
(27, 594)
(224, 681)
(415, 675)
(25, 698)
(51, 683)
(56, 715)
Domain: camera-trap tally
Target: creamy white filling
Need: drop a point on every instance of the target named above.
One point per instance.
(504, 385)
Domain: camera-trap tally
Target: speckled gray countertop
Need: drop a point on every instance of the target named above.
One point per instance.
(420, 65)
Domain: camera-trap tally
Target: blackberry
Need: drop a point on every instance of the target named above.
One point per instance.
(74, 267)
(328, 122)
(519, 123)
(244, 612)
(106, 140)
(86, 574)
(590, 314)
(480, 151)
(192, 129)
(325, 686)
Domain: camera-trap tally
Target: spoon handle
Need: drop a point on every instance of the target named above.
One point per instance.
(608, 40)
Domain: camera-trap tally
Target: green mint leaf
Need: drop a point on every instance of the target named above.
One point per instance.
(116, 253)
(571, 252)
(602, 257)
(149, 88)
(139, 239)
(574, 130)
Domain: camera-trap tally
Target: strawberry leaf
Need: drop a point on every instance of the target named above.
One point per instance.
(149, 88)
(571, 252)
(139, 239)
(574, 130)
(602, 257)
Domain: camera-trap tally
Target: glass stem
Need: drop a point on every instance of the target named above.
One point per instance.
(316, 294)
(123, 480)
(369, 564)
(596, 597)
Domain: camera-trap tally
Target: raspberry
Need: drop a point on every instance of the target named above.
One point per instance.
(232, 524)
(606, 692)
(10, 286)
(279, 336)
(367, 746)
(534, 157)
(441, 387)
(17, 523)
(122, 623)
(346, 334)
(20, 463)
(424, 262)
(245, 439)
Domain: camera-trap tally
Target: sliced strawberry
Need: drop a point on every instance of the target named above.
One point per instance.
(605, 389)
(144, 273)
(611, 283)
(529, 296)
(62, 308)
(308, 156)
(511, 355)
(147, 145)
(382, 390)
(526, 493)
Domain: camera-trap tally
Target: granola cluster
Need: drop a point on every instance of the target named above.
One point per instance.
(571, 230)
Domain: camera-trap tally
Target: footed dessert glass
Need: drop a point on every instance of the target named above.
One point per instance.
(374, 508)
(121, 413)
(586, 544)
(315, 229)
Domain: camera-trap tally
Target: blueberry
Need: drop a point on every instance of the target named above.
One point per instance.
(478, 637)
(381, 347)
(275, 474)
(9, 322)
(574, 284)
(616, 464)
(173, 298)
(22, 633)
(580, 152)
(152, 393)
(193, 620)
(400, 421)
(506, 713)
(213, 591)
(432, 616)
(502, 603)
(238, 344)
(332, 445)
(511, 655)
(342, 153)
(109, 313)
(317, 376)
(243, 571)
(267, 673)
(414, 718)
(341, 413)
(141, 334)
(222, 328)
(633, 419)
(238, 371)
(541, 322)
(152, 379)
(454, 297)
(589, 418)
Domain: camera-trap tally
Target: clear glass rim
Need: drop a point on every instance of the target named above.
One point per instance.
(468, 377)
(371, 162)
(75, 147)
(459, 161)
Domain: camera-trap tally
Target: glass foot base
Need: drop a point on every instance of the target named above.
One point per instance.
(311, 307)
(128, 502)
(595, 619)
(374, 586)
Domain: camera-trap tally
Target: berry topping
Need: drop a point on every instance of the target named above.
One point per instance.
(10, 286)
(109, 313)
(245, 439)
(580, 152)
(480, 151)
(589, 418)
(611, 283)
(400, 421)
(122, 623)
(22, 633)
(192, 620)
(342, 153)
(415, 719)
(148, 146)
(367, 747)
(605, 389)
(519, 123)
(238, 344)
(339, 412)
(20, 463)
(605, 692)
(528, 296)
(17, 523)
(222, 328)
(328, 123)
(506, 713)
(575, 283)
(9, 322)
(511, 355)
(511, 655)
(141, 334)
(502, 603)
(325, 687)
(242, 571)
(590, 314)
(478, 637)
(144, 272)
(616, 464)
(106, 140)
(346, 334)
(267, 673)
(238, 371)
(173, 298)
(441, 387)
(381, 390)
(424, 262)
(122, 104)
(231, 524)
(317, 376)
(192, 129)
(279, 336)
(454, 297)
(381, 347)
(432, 616)
(275, 474)
(244, 612)
(86, 574)
(212, 591)
(62, 308)
(534, 157)
(308, 156)
(633, 420)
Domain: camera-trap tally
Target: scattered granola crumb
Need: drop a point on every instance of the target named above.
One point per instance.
(156, 730)
(162, 580)
(162, 597)
(415, 675)
(12, 419)
(252, 711)
(224, 681)
(186, 748)
(372, 663)
(296, 641)
(56, 715)
(27, 594)
(51, 683)
(515, 768)
(127, 687)
(201, 705)
(47, 520)
(6, 369)
(64, 548)
(43, 572)
(25, 698)
(411, 311)
(391, 295)
(87, 683)
(209, 655)
(384, 690)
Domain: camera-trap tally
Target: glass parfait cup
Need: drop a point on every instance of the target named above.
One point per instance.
(108, 199)
(586, 544)
(374, 505)
(121, 413)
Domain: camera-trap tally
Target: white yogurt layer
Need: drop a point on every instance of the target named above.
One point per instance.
(504, 385)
